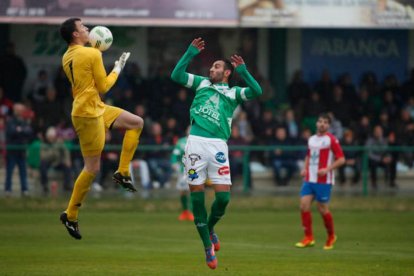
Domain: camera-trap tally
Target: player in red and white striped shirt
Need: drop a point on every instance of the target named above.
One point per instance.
(323, 157)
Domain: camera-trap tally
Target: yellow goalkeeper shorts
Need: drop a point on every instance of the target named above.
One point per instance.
(91, 131)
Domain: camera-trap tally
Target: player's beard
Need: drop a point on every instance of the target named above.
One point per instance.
(322, 130)
(216, 77)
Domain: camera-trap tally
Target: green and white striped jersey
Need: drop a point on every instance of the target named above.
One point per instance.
(213, 106)
(211, 111)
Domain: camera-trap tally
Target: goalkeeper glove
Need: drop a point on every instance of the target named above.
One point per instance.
(120, 63)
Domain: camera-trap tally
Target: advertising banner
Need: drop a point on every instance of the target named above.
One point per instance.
(123, 12)
(217, 13)
(327, 13)
(41, 47)
(354, 52)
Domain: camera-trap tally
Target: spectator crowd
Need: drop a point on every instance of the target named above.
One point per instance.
(370, 112)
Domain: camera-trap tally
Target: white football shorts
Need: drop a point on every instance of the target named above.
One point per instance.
(206, 158)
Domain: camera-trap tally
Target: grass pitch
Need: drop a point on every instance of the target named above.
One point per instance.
(135, 237)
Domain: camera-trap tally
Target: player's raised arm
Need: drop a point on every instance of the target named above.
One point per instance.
(103, 82)
(179, 74)
(254, 90)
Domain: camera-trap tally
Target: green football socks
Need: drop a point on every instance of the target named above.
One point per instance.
(200, 217)
(218, 209)
(184, 201)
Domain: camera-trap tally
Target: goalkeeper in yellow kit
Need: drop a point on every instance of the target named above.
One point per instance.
(91, 117)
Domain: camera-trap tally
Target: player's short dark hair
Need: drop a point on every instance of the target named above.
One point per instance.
(228, 66)
(67, 28)
(325, 116)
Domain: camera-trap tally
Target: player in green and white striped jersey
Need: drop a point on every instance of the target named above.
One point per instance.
(206, 153)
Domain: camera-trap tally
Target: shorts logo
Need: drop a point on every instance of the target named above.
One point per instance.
(224, 170)
(220, 157)
(194, 157)
(192, 174)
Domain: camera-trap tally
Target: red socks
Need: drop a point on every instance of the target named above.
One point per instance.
(328, 221)
(307, 223)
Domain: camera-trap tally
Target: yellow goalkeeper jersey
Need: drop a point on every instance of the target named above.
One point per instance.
(85, 70)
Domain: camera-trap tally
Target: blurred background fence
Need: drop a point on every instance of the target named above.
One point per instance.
(253, 170)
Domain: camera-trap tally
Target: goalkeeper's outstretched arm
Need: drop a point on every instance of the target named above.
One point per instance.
(102, 81)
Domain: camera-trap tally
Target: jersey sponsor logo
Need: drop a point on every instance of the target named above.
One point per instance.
(192, 174)
(220, 157)
(208, 111)
(224, 170)
(194, 157)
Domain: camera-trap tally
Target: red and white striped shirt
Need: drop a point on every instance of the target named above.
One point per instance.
(322, 152)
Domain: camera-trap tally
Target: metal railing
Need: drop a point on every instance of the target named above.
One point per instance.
(364, 151)
(247, 150)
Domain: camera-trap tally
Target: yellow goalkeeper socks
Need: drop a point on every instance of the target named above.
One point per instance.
(81, 188)
(129, 145)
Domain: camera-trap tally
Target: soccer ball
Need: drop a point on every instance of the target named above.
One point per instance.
(100, 37)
